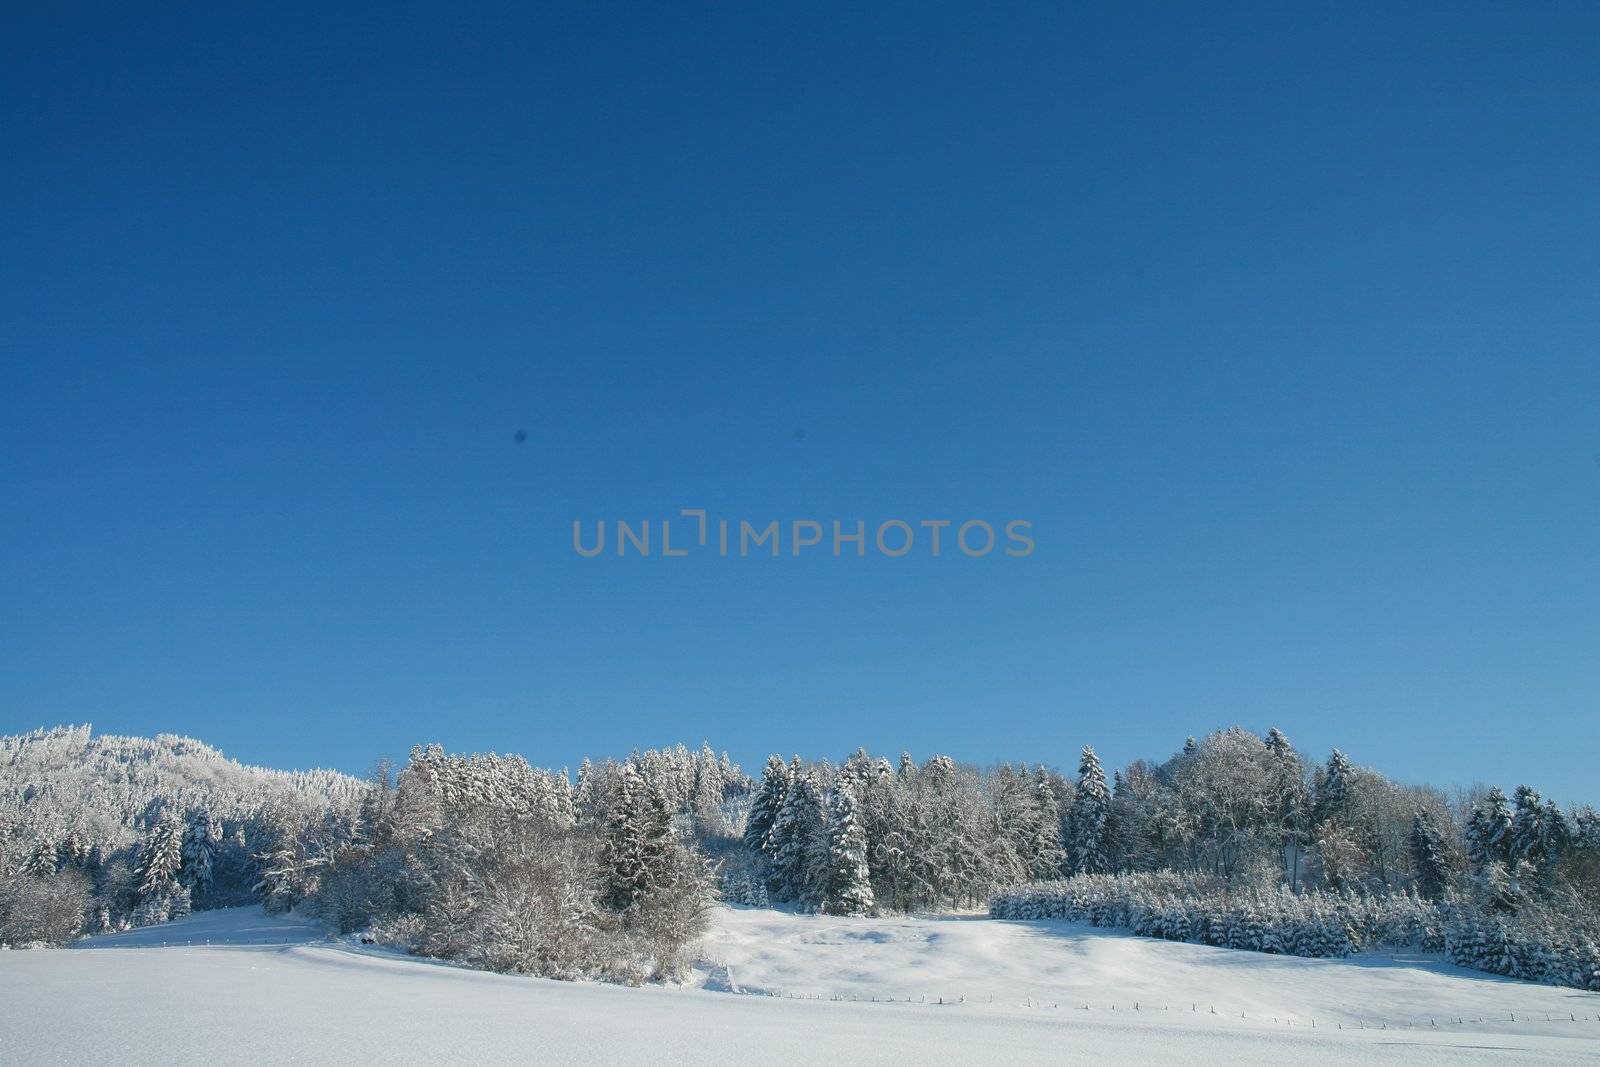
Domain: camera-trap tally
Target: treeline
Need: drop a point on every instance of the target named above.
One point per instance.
(1232, 817)
(1233, 806)
(496, 863)
(106, 833)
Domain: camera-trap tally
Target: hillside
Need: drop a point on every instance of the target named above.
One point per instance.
(1033, 992)
(104, 786)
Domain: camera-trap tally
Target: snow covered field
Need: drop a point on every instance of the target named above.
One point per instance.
(237, 986)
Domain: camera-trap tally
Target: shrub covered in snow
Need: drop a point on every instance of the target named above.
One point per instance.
(1539, 944)
(35, 909)
(742, 887)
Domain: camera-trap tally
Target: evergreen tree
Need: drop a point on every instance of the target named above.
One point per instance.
(1497, 888)
(583, 797)
(1488, 831)
(764, 807)
(201, 842)
(42, 860)
(1048, 855)
(1430, 856)
(709, 788)
(160, 895)
(1539, 831)
(1556, 832)
(1088, 849)
(1476, 837)
(794, 837)
(73, 852)
(1333, 789)
(859, 771)
(848, 888)
(637, 839)
(1527, 835)
(161, 859)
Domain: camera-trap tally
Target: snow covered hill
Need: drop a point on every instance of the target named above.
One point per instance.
(1081, 972)
(104, 786)
(228, 985)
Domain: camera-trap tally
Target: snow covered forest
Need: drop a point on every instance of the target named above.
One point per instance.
(1236, 840)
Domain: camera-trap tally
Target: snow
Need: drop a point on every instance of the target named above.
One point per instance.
(1079, 972)
(234, 927)
(229, 985)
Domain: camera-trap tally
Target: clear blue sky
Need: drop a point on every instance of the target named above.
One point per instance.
(1280, 322)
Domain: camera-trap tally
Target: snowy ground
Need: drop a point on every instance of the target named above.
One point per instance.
(236, 986)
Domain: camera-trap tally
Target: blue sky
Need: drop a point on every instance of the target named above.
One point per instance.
(1278, 322)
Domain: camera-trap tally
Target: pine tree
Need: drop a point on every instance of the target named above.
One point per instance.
(637, 839)
(764, 807)
(566, 810)
(1556, 832)
(42, 860)
(583, 797)
(1088, 845)
(1048, 855)
(793, 840)
(1497, 888)
(1476, 836)
(859, 771)
(1528, 837)
(1429, 855)
(705, 802)
(160, 896)
(73, 852)
(201, 842)
(848, 887)
(161, 859)
(1488, 831)
(1333, 789)
(1539, 831)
